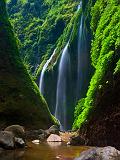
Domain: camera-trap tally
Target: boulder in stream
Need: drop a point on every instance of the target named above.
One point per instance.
(54, 138)
(7, 140)
(17, 130)
(100, 153)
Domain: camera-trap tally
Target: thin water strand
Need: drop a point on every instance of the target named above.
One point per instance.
(83, 58)
(41, 82)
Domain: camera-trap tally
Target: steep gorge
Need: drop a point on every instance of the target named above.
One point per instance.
(97, 112)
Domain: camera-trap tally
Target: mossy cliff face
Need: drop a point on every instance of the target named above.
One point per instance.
(98, 115)
(20, 100)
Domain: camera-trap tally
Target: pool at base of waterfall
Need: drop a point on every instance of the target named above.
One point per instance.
(44, 151)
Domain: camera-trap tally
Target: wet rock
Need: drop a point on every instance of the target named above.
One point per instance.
(42, 134)
(34, 134)
(37, 141)
(17, 130)
(19, 143)
(54, 130)
(54, 138)
(105, 153)
(7, 140)
(76, 140)
(43, 137)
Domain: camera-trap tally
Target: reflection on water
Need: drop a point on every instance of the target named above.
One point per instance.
(44, 151)
(11, 155)
(54, 144)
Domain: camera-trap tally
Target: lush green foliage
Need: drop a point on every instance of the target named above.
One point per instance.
(78, 109)
(117, 69)
(105, 24)
(69, 33)
(39, 26)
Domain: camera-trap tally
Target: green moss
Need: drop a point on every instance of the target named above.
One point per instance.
(20, 99)
(117, 68)
(104, 53)
(69, 33)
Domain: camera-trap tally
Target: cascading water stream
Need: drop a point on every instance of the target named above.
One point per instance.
(41, 82)
(83, 59)
(64, 66)
(79, 6)
(62, 83)
(70, 82)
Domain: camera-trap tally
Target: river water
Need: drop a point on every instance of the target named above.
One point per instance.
(44, 151)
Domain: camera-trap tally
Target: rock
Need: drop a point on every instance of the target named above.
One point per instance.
(42, 134)
(76, 140)
(36, 141)
(54, 130)
(19, 143)
(7, 140)
(34, 134)
(54, 138)
(42, 137)
(17, 130)
(105, 153)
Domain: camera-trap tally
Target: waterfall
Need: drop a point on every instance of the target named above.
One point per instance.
(41, 82)
(79, 6)
(83, 59)
(63, 71)
(82, 75)
(69, 81)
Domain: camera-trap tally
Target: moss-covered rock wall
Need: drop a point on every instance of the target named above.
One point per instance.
(20, 100)
(97, 115)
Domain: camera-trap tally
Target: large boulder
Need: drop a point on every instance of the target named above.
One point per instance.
(12, 137)
(17, 130)
(7, 140)
(105, 153)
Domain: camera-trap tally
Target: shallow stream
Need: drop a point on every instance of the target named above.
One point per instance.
(44, 151)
